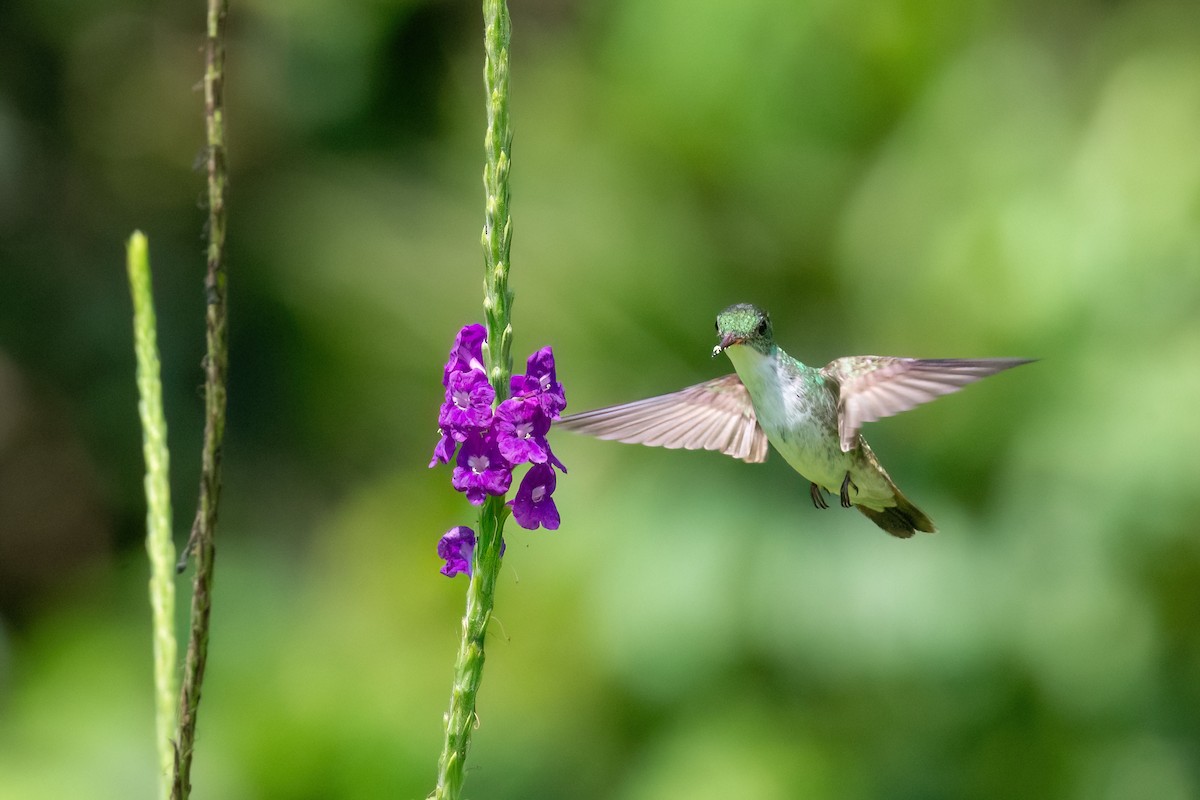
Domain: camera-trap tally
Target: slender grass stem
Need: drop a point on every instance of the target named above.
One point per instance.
(159, 545)
(215, 368)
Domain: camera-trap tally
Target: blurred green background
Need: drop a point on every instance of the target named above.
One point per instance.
(907, 177)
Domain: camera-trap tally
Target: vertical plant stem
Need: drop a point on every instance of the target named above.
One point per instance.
(468, 667)
(215, 368)
(159, 545)
(497, 225)
(497, 305)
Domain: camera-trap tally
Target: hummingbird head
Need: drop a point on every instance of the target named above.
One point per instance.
(744, 324)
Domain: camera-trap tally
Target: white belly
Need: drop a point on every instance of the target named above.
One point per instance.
(799, 426)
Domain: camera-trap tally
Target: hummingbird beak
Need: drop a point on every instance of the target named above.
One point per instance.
(727, 341)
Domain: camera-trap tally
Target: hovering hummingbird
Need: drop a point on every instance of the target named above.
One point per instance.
(812, 416)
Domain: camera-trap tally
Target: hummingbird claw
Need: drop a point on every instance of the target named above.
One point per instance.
(817, 496)
(847, 484)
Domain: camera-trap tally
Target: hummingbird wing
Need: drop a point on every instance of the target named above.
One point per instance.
(873, 387)
(714, 415)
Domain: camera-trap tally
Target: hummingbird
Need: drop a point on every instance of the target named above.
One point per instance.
(812, 416)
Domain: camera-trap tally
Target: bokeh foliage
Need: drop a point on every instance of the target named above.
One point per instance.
(911, 177)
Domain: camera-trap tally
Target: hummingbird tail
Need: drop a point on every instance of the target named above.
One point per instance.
(901, 520)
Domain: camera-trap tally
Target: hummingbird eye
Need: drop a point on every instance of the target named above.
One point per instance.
(761, 330)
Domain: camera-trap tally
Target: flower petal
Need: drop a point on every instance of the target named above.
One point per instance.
(457, 548)
(533, 505)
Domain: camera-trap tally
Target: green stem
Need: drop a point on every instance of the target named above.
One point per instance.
(215, 369)
(468, 667)
(497, 225)
(159, 545)
(497, 305)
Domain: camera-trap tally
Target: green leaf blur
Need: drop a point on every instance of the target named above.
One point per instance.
(901, 177)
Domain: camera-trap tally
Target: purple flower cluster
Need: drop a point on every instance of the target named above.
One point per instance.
(490, 443)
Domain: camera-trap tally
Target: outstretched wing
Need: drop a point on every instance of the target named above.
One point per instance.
(714, 415)
(873, 387)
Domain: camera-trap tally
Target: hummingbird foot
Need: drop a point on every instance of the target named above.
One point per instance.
(817, 496)
(847, 484)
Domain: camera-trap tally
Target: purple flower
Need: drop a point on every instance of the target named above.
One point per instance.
(481, 469)
(520, 429)
(444, 450)
(457, 547)
(490, 443)
(534, 504)
(467, 352)
(540, 382)
(468, 404)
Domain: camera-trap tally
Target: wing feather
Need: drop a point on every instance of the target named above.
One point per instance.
(714, 415)
(873, 387)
